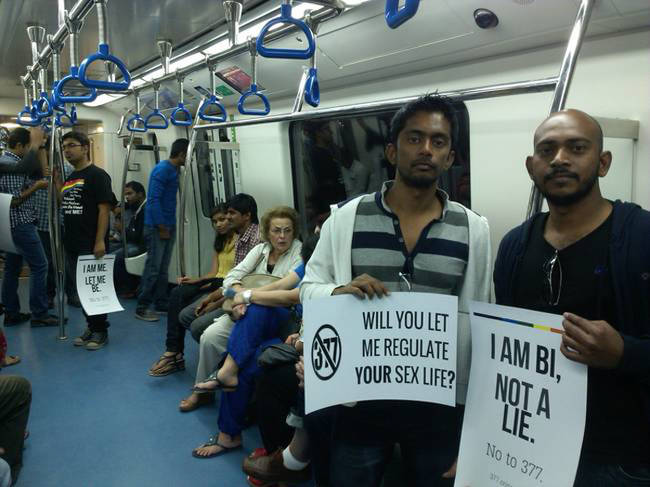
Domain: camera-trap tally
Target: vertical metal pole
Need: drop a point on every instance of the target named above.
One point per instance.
(564, 82)
(58, 258)
(124, 178)
(300, 96)
(183, 196)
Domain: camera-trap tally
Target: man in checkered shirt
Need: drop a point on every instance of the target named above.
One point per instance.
(24, 144)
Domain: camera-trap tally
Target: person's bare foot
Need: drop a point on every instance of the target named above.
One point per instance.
(222, 381)
(222, 444)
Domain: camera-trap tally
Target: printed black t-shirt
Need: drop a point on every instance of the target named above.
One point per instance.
(616, 429)
(82, 192)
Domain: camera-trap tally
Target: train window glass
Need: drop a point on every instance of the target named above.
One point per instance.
(336, 159)
(216, 171)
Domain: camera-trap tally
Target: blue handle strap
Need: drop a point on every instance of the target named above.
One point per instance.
(162, 124)
(396, 17)
(103, 54)
(47, 126)
(40, 111)
(73, 76)
(286, 18)
(312, 88)
(32, 121)
(213, 101)
(66, 120)
(180, 109)
(130, 125)
(252, 91)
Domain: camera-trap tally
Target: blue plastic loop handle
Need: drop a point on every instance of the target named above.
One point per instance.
(213, 101)
(41, 103)
(73, 76)
(103, 54)
(286, 18)
(162, 124)
(252, 91)
(312, 88)
(66, 120)
(130, 125)
(396, 17)
(47, 126)
(32, 121)
(180, 109)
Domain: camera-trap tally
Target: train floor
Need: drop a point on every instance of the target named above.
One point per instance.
(97, 419)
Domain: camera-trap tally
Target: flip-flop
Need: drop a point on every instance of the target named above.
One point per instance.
(213, 378)
(214, 442)
(11, 360)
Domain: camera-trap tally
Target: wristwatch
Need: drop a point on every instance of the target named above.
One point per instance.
(247, 296)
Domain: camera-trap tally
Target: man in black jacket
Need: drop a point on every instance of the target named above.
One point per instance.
(589, 259)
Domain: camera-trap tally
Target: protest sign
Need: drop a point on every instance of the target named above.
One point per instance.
(526, 402)
(401, 346)
(95, 285)
(6, 240)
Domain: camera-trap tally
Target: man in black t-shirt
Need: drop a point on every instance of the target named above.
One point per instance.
(86, 199)
(589, 259)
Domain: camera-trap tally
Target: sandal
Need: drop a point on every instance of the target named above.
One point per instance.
(215, 442)
(167, 364)
(186, 406)
(10, 360)
(219, 385)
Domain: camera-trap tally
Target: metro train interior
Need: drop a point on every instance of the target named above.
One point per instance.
(264, 90)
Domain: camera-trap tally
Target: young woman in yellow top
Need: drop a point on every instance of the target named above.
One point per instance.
(189, 288)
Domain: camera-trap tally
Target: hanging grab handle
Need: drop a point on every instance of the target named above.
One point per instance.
(286, 18)
(44, 101)
(252, 91)
(66, 120)
(103, 54)
(213, 101)
(312, 88)
(74, 27)
(163, 123)
(186, 121)
(131, 127)
(28, 117)
(396, 16)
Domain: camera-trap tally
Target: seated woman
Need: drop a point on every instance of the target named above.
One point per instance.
(222, 259)
(277, 256)
(259, 316)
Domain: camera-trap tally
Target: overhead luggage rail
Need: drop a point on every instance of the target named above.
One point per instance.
(396, 16)
(286, 18)
(103, 54)
(252, 90)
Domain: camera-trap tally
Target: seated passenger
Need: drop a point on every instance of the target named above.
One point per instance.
(222, 260)
(260, 314)
(133, 216)
(242, 216)
(277, 256)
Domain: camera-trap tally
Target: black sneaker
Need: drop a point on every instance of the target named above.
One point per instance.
(47, 320)
(146, 315)
(12, 319)
(74, 301)
(97, 340)
(80, 341)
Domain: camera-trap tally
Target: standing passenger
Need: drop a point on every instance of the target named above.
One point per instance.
(589, 259)
(86, 203)
(160, 231)
(413, 236)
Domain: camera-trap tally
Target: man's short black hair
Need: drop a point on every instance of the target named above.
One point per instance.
(244, 203)
(136, 187)
(79, 137)
(429, 103)
(17, 136)
(178, 147)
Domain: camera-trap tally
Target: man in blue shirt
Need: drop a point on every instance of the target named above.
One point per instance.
(160, 231)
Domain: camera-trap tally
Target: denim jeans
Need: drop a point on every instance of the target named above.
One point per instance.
(153, 285)
(29, 246)
(360, 458)
(599, 475)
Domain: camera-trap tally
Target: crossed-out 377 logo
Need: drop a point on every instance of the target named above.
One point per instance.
(326, 352)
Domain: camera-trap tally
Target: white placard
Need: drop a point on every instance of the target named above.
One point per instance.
(95, 285)
(526, 402)
(401, 346)
(6, 240)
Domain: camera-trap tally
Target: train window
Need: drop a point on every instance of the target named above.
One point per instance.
(336, 159)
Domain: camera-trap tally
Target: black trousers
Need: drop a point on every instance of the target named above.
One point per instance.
(51, 278)
(180, 297)
(277, 389)
(15, 400)
(96, 322)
